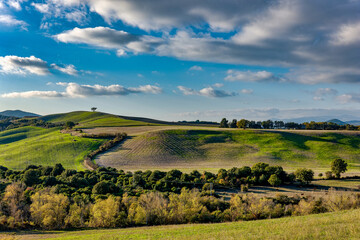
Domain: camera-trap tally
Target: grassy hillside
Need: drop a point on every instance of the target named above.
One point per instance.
(336, 225)
(204, 149)
(93, 119)
(32, 145)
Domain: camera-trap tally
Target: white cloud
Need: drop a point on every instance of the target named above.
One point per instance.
(33, 94)
(317, 98)
(273, 24)
(196, 68)
(33, 65)
(283, 33)
(16, 4)
(314, 75)
(71, 10)
(69, 69)
(347, 34)
(23, 65)
(167, 14)
(249, 76)
(325, 91)
(218, 85)
(9, 20)
(206, 92)
(247, 91)
(105, 37)
(347, 98)
(74, 90)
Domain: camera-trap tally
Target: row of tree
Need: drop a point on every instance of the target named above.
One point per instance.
(22, 207)
(53, 197)
(7, 123)
(269, 124)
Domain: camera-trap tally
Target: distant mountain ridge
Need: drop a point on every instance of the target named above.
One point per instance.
(323, 119)
(18, 114)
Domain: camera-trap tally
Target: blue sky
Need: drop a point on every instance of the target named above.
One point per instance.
(182, 60)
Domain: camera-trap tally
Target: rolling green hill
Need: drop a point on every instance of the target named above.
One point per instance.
(94, 119)
(335, 225)
(205, 149)
(33, 145)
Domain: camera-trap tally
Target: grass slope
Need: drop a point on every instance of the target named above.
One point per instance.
(93, 119)
(204, 149)
(336, 225)
(32, 145)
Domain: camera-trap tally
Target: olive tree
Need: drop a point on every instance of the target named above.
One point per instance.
(338, 166)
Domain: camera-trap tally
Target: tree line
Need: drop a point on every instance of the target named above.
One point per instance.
(269, 124)
(7, 123)
(45, 197)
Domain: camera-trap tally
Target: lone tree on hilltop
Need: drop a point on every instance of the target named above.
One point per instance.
(93, 109)
(338, 166)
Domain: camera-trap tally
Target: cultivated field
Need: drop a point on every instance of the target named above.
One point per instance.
(167, 147)
(336, 225)
(23, 146)
(94, 119)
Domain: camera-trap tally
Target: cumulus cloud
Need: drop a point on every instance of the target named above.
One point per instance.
(196, 68)
(317, 98)
(206, 92)
(325, 91)
(249, 76)
(23, 65)
(347, 98)
(32, 65)
(74, 90)
(276, 21)
(69, 69)
(73, 11)
(9, 20)
(347, 34)
(247, 91)
(105, 37)
(15, 4)
(296, 34)
(218, 85)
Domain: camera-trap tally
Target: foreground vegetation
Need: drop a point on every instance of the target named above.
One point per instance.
(55, 198)
(335, 225)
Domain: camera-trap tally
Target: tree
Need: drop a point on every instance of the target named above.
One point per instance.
(338, 166)
(15, 200)
(69, 125)
(58, 169)
(233, 123)
(224, 123)
(48, 210)
(105, 212)
(104, 187)
(93, 109)
(31, 177)
(274, 180)
(242, 123)
(303, 175)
